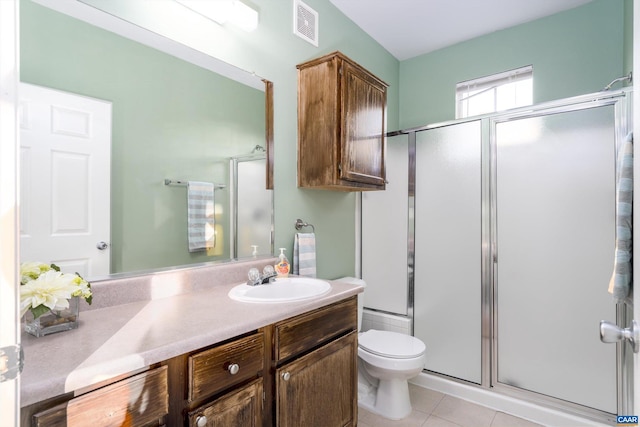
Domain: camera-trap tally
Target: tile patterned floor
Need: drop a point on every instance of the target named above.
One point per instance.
(434, 409)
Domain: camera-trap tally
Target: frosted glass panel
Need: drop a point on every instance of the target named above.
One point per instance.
(253, 210)
(448, 249)
(555, 194)
(384, 234)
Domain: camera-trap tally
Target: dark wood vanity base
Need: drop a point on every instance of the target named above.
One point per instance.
(272, 376)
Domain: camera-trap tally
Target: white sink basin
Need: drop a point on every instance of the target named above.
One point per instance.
(281, 290)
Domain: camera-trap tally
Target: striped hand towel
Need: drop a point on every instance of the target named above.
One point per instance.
(620, 284)
(304, 254)
(200, 215)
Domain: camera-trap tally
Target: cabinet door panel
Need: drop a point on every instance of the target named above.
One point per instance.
(241, 408)
(319, 389)
(362, 154)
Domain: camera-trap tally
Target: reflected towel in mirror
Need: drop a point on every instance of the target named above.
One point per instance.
(304, 254)
(200, 215)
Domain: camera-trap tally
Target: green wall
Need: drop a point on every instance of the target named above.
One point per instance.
(272, 51)
(332, 213)
(574, 52)
(171, 119)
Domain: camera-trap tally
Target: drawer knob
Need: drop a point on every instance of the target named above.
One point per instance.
(201, 421)
(233, 368)
(286, 376)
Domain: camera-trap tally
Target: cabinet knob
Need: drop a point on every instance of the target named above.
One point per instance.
(233, 368)
(286, 376)
(201, 421)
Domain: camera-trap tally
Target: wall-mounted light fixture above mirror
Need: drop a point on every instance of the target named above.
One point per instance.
(222, 11)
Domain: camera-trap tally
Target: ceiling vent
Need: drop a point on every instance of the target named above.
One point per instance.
(305, 22)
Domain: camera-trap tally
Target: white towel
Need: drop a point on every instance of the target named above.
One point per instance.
(620, 284)
(200, 215)
(304, 254)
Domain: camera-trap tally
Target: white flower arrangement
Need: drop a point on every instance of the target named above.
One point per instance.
(44, 287)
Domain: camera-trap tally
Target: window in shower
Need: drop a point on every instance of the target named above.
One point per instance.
(497, 92)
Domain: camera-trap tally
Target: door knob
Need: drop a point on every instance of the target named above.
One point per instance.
(102, 245)
(610, 333)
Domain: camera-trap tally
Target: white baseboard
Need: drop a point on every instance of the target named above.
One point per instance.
(499, 402)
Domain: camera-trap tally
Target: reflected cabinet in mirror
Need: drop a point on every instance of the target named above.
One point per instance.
(127, 151)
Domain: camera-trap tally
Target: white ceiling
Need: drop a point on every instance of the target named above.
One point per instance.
(408, 28)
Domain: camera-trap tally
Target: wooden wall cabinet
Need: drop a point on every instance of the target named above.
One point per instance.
(298, 372)
(341, 125)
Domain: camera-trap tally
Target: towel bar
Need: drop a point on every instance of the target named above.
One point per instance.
(181, 182)
(300, 223)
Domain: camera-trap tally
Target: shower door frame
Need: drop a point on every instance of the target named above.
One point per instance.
(621, 101)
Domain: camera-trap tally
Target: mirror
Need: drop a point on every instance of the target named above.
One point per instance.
(171, 119)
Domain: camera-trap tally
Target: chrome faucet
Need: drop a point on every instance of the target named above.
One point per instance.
(268, 274)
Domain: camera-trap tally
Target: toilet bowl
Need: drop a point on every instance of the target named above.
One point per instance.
(386, 361)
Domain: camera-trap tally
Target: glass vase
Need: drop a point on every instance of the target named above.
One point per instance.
(54, 320)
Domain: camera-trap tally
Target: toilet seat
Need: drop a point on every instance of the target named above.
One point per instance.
(389, 344)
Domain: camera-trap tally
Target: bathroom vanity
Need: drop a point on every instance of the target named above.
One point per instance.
(198, 358)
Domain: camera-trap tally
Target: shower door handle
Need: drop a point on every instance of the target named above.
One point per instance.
(611, 333)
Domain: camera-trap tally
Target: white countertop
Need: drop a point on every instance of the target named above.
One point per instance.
(115, 340)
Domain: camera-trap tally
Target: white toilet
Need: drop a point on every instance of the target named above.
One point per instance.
(386, 360)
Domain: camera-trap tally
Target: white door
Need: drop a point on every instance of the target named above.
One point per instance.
(65, 158)
(9, 332)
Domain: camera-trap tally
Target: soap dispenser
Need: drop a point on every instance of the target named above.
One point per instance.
(282, 267)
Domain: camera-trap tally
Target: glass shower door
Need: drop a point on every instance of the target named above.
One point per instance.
(252, 208)
(554, 231)
(448, 249)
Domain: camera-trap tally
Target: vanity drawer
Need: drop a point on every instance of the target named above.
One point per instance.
(218, 368)
(240, 407)
(141, 400)
(298, 334)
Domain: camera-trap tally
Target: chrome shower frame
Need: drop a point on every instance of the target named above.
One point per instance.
(621, 100)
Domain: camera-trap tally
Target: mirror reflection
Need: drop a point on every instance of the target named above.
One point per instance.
(166, 119)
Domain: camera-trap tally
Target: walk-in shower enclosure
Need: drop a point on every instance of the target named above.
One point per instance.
(508, 222)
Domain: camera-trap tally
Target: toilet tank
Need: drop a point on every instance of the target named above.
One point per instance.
(356, 281)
